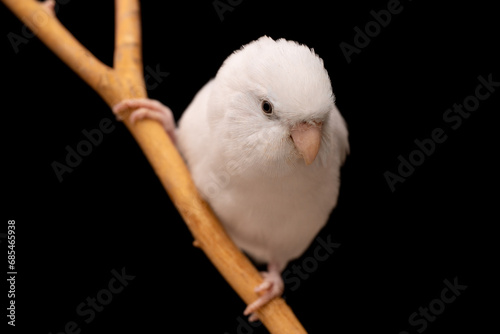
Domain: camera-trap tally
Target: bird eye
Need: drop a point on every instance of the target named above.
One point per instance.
(267, 107)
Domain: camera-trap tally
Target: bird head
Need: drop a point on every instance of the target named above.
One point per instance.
(272, 106)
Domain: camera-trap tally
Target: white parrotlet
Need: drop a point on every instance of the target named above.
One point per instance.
(264, 143)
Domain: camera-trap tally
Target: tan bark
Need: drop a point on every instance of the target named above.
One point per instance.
(125, 80)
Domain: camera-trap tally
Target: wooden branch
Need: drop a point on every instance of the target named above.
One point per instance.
(124, 81)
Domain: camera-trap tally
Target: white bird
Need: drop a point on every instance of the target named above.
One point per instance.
(264, 143)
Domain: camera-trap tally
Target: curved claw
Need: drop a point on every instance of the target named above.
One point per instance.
(271, 287)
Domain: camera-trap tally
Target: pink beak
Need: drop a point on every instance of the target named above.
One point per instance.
(307, 139)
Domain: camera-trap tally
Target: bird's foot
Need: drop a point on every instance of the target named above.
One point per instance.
(272, 287)
(149, 109)
(49, 6)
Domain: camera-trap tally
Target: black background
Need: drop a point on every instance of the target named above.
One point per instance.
(111, 212)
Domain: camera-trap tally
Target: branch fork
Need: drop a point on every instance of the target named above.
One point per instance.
(124, 81)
